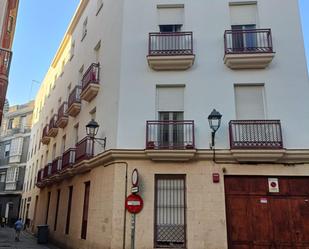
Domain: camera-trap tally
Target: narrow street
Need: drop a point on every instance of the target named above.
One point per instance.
(27, 241)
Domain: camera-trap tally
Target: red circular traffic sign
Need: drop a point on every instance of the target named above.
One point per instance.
(134, 204)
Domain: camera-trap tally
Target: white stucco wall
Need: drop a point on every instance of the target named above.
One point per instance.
(209, 83)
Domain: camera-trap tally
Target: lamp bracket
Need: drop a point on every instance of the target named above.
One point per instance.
(100, 139)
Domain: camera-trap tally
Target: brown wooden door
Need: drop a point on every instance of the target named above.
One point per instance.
(300, 218)
(257, 219)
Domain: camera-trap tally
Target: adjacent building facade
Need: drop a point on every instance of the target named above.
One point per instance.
(14, 144)
(150, 73)
(8, 14)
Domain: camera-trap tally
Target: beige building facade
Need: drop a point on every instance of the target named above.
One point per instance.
(150, 81)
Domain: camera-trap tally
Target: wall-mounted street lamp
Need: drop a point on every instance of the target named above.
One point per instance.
(92, 129)
(214, 120)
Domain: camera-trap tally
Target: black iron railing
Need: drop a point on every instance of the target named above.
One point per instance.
(255, 134)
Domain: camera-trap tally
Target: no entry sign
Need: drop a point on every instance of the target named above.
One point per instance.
(134, 204)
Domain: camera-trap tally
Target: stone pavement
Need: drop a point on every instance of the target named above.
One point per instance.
(27, 241)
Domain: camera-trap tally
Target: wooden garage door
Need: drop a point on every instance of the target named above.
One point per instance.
(257, 219)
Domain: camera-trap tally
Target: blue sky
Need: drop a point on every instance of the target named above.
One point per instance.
(40, 27)
(39, 31)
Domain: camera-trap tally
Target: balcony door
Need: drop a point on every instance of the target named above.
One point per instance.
(244, 38)
(171, 132)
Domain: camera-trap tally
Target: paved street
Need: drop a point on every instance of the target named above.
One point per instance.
(7, 236)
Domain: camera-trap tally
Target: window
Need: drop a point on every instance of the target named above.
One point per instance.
(170, 211)
(46, 157)
(171, 135)
(97, 50)
(12, 174)
(243, 14)
(72, 50)
(10, 24)
(54, 151)
(23, 123)
(16, 147)
(76, 133)
(84, 31)
(99, 6)
(7, 150)
(93, 113)
(62, 67)
(57, 209)
(170, 14)
(47, 207)
(69, 90)
(80, 75)
(54, 84)
(36, 171)
(67, 225)
(2, 177)
(249, 102)
(85, 211)
(10, 124)
(244, 40)
(170, 28)
(170, 106)
(63, 144)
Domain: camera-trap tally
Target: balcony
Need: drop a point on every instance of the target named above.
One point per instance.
(5, 61)
(53, 129)
(248, 49)
(74, 103)
(84, 149)
(90, 82)
(170, 134)
(63, 117)
(56, 165)
(45, 138)
(256, 140)
(68, 158)
(170, 51)
(47, 171)
(40, 176)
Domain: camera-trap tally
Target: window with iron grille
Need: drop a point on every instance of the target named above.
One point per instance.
(170, 211)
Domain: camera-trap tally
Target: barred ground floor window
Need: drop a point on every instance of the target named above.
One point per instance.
(170, 211)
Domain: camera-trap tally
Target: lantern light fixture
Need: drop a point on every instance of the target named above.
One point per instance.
(92, 129)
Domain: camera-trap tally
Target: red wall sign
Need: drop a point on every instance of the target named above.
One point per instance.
(134, 203)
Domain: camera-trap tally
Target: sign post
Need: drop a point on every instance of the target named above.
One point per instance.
(132, 231)
(134, 204)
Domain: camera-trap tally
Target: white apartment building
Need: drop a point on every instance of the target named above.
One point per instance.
(150, 73)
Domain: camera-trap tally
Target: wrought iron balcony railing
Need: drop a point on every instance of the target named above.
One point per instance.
(92, 75)
(255, 134)
(170, 44)
(45, 131)
(170, 134)
(84, 149)
(40, 175)
(53, 122)
(68, 158)
(62, 110)
(56, 165)
(248, 41)
(74, 96)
